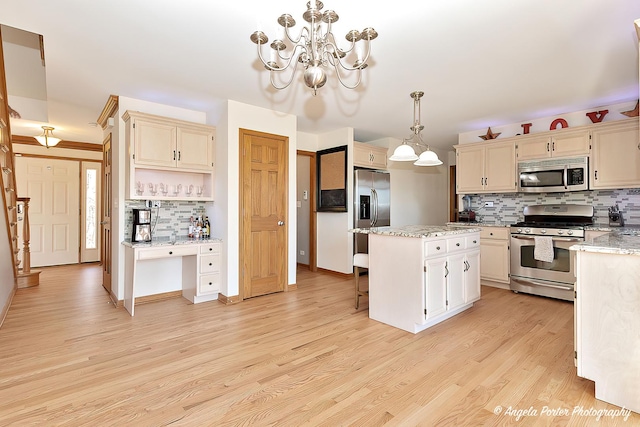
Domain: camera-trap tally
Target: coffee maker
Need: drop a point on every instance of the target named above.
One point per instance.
(141, 225)
(467, 215)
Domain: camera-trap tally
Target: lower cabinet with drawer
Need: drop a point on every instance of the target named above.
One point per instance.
(199, 260)
(417, 282)
(452, 278)
(495, 256)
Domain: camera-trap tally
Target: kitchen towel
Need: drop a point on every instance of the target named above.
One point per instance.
(543, 250)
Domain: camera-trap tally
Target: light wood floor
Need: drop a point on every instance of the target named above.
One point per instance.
(68, 357)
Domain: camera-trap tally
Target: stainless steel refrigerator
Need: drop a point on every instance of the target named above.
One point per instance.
(372, 202)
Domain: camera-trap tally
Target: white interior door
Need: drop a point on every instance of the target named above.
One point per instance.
(90, 218)
(54, 209)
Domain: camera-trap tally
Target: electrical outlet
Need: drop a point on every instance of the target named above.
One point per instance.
(488, 204)
(148, 203)
(156, 203)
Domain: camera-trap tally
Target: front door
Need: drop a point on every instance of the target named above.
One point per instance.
(106, 214)
(53, 186)
(263, 199)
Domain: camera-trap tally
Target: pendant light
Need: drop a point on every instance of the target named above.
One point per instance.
(406, 152)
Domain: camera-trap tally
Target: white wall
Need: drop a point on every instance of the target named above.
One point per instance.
(334, 242)
(119, 153)
(419, 194)
(226, 207)
(307, 142)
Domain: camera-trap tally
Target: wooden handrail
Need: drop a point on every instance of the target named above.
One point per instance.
(26, 236)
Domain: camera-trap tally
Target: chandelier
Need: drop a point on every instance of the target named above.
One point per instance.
(47, 139)
(406, 152)
(315, 48)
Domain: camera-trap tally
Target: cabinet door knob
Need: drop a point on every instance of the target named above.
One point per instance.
(210, 263)
(457, 244)
(210, 249)
(170, 252)
(475, 241)
(490, 234)
(210, 283)
(437, 248)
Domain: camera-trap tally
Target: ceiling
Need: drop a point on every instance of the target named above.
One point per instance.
(480, 63)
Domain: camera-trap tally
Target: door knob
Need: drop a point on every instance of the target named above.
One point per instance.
(280, 223)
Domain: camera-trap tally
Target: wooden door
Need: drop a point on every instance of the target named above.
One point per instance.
(263, 219)
(106, 213)
(53, 185)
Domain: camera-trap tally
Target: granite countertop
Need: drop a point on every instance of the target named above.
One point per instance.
(417, 230)
(166, 241)
(621, 240)
(481, 224)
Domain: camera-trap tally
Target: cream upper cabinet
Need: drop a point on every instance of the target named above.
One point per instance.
(168, 158)
(154, 142)
(470, 168)
(167, 143)
(369, 156)
(486, 168)
(195, 147)
(558, 143)
(615, 156)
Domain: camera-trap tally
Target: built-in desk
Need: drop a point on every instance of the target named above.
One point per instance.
(200, 267)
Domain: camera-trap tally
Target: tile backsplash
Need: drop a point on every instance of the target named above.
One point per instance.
(173, 216)
(508, 207)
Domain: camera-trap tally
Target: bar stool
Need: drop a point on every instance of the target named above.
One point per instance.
(360, 261)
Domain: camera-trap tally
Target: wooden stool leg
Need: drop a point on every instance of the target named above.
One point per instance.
(357, 281)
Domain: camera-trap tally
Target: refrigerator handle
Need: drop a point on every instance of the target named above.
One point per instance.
(374, 211)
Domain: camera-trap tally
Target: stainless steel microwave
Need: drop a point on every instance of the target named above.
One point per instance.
(554, 175)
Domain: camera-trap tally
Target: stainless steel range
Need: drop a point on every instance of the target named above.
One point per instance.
(558, 225)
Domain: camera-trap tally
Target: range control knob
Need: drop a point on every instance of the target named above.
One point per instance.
(527, 230)
(560, 232)
(519, 230)
(570, 232)
(543, 231)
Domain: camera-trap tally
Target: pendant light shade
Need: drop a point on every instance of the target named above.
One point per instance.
(406, 152)
(47, 139)
(428, 158)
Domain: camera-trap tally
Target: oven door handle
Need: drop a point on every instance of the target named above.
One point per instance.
(559, 239)
(564, 178)
(546, 285)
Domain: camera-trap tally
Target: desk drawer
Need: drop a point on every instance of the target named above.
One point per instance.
(166, 252)
(210, 248)
(209, 283)
(500, 233)
(209, 263)
(435, 248)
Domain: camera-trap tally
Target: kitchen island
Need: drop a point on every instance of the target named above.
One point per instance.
(421, 275)
(607, 316)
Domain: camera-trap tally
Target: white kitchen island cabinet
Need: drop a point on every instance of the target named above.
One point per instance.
(422, 275)
(607, 316)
